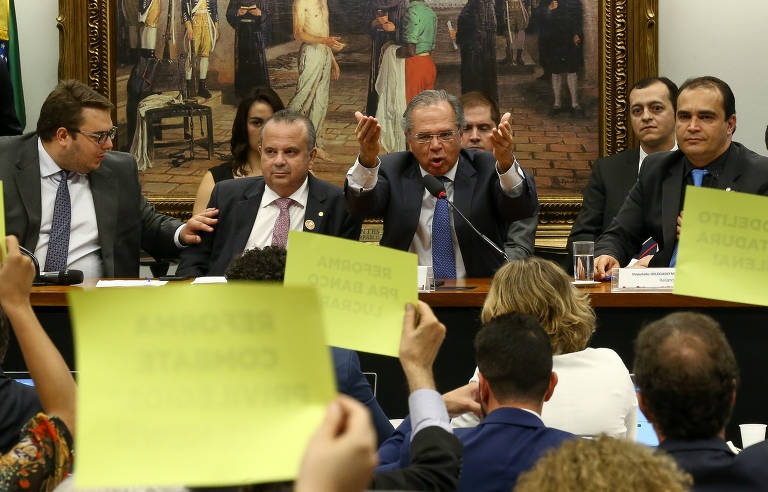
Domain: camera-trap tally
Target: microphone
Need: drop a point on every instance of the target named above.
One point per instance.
(62, 277)
(436, 188)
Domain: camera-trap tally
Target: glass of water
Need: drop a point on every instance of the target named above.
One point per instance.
(584, 261)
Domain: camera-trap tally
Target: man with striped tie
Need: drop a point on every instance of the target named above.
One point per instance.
(707, 156)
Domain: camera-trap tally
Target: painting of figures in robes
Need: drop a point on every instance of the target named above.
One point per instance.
(183, 66)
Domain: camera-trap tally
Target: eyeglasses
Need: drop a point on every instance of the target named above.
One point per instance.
(99, 137)
(425, 138)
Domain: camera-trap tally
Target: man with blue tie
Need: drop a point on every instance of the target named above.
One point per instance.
(490, 189)
(707, 156)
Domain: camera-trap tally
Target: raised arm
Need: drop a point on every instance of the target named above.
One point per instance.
(55, 386)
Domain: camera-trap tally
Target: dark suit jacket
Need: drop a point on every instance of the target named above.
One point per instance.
(238, 203)
(125, 221)
(612, 178)
(351, 381)
(653, 204)
(435, 464)
(715, 468)
(18, 404)
(507, 442)
(397, 199)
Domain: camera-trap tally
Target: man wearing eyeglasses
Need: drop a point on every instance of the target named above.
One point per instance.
(490, 189)
(482, 116)
(76, 204)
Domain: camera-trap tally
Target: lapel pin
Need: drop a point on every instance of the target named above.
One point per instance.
(319, 214)
(309, 224)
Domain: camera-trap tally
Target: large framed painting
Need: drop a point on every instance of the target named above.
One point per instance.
(565, 78)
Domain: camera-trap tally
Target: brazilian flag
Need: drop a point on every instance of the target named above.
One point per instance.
(9, 54)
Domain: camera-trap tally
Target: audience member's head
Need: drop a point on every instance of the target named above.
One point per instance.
(541, 289)
(687, 376)
(433, 121)
(482, 115)
(652, 105)
(287, 151)
(254, 109)
(706, 119)
(604, 463)
(267, 263)
(514, 358)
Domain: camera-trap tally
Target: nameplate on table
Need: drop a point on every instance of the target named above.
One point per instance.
(643, 279)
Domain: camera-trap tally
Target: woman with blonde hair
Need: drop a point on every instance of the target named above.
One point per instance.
(594, 393)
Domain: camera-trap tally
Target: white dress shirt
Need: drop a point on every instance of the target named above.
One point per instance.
(84, 249)
(362, 178)
(644, 154)
(261, 233)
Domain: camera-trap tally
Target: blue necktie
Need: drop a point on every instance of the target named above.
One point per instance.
(698, 179)
(443, 259)
(58, 241)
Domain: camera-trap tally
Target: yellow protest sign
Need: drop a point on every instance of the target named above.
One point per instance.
(2, 223)
(723, 252)
(197, 385)
(363, 288)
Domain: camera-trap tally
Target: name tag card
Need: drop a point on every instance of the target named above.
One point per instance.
(643, 279)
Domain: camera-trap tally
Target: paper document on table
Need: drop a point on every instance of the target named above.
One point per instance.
(363, 288)
(203, 385)
(723, 251)
(209, 280)
(131, 283)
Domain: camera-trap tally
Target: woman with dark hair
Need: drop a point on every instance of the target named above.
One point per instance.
(255, 108)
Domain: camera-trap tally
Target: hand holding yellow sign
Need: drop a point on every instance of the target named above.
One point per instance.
(225, 395)
(723, 251)
(363, 289)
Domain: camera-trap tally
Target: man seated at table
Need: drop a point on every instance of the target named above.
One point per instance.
(259, 211)
(652, 104)
(514, 357)
(491, 190)
(482, 115)
(687, 375)
(76, 204)
(707, 156)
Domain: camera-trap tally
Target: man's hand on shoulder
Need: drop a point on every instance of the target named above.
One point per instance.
(368, 133)
(503, 146)
(422, 336)
(603, 266)
(202, 222)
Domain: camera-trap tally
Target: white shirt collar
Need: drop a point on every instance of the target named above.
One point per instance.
(644, 154)
(299, 196)
(48, 166)
(450, 174)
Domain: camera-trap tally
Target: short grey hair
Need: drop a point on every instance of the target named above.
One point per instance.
(432, 98)
(291, 116)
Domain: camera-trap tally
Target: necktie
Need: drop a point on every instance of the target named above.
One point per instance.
(58, 241)
(443, 259)
(698, 179)
(282, 223)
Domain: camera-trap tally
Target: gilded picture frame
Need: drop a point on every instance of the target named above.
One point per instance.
(627, 52)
